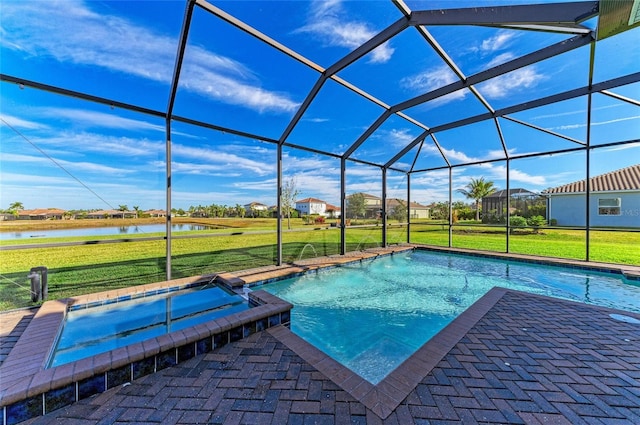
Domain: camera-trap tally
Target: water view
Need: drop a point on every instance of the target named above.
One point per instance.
(101, 231)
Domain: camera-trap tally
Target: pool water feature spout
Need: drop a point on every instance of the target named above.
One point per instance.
(365, 239)
(315, 253)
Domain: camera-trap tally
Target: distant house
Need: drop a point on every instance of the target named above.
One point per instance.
(41, 214)
(333, 211)
(111, 214)
(156, 213)
(416, 210)
(372, 205)
(7, 217)
(255, 207)
(310, 206)
(614, 200)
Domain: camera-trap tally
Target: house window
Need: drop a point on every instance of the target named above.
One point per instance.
(609, 206)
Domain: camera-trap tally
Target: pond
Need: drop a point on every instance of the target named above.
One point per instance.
(101, 231)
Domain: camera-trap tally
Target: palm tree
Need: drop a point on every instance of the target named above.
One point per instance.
(137, 210)
(16, 206)
(124, 209)
(476, 190)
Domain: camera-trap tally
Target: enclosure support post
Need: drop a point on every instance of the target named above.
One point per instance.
(279, 206)
(587, 182)
(168, 200)
(450, 206)
(384, 207)
(508, 212)
(182, 44)
(343, 206)
(408, 207)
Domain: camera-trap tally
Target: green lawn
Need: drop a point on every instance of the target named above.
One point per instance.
(618, 247)
(81, 269)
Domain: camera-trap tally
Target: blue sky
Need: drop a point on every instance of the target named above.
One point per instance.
(68, 153)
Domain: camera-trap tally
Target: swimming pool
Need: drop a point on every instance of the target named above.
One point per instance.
(371, 316)
(97, 329)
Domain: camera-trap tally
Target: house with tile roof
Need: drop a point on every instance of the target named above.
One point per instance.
(614, 200)
(309, 206)
(41, 214)
(254, 209)
(416, 210)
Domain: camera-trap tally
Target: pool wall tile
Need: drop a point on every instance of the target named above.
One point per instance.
(58, 398)
(221, 339)
(119, 376)
(236, 334)
(249, 329)
(25, 409)
(204, 345)
(143, 367)
(261, 324)
(92, 386)
(166, 359)
(274, 320)
(186, 352)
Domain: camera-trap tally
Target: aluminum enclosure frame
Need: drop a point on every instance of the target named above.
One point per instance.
(563, 18)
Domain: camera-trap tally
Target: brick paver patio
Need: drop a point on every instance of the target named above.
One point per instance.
(529, 359)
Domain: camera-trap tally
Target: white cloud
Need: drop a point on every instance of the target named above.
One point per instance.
(316, 120)
(432, 79)
(20, 123)
(31, 181)
(100, 143)
(329, 22)
(497, 153)
(70, 32)
(84, 117)
(401, 137)
(499, 41)
(515, 175)
(458, 156)
(507, 84)
(223, 160)
(71, 166)
(500, 59)
(574, 126)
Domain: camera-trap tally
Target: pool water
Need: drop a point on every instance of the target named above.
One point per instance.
(96, 330)
(373, 315)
